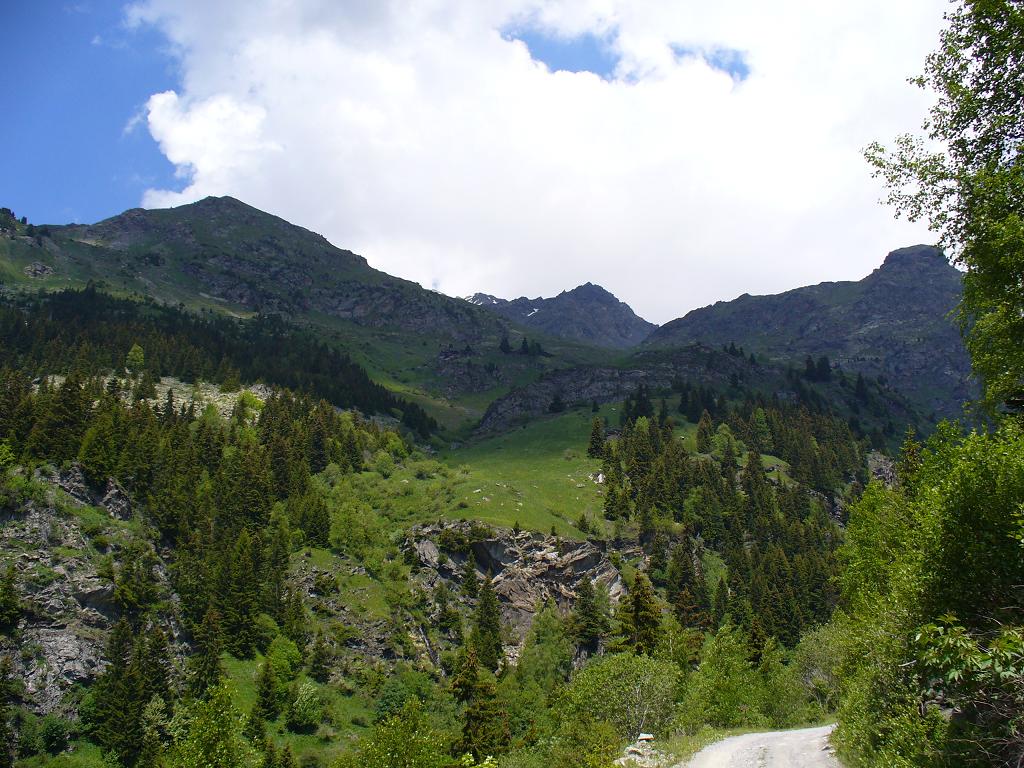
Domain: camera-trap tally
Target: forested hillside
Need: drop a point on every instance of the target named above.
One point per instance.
(242, 568)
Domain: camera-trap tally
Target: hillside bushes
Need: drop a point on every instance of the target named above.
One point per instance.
(933, 670)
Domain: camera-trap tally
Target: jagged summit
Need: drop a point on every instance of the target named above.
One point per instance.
(586, 313)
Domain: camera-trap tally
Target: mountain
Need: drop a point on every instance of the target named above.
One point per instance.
(894, 324)
(222, 255)
(226, 251)
(587, 313)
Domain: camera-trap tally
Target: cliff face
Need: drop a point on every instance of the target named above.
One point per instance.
(894, 323)
(57, 536)
(587, 313)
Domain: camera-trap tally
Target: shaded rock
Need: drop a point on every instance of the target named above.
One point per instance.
(116, 501)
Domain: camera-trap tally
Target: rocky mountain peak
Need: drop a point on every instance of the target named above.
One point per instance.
(915, 255)
(586, 313)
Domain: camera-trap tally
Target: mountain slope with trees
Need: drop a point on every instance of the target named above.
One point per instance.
(894, 323)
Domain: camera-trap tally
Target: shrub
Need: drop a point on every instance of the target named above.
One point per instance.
(631, 693)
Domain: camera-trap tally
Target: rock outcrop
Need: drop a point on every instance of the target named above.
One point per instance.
(527, 568)
(69, 607)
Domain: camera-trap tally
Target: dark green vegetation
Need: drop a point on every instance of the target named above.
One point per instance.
(263, 601)
(684, 538)
(931, 644)
(53, 332)
(222, 255)
(970, 192)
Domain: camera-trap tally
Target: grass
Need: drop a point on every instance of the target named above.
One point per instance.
(536, 476)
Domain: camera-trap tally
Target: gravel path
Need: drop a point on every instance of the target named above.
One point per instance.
(805, 748)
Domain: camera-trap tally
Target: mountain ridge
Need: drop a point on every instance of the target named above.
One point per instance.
(893, 323)
(587, 313)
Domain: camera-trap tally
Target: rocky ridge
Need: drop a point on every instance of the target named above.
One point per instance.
(587, 313)
(56, 539)
(894, 323)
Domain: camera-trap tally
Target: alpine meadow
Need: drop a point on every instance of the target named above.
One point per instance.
(266, 502)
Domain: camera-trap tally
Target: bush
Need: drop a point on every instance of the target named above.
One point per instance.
(725, 691)
(631, 693)
(305, 711)
(53, 734)
(284, 657)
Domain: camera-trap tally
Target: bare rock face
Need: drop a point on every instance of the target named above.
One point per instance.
(69, 608)
(115, 500)
(527, 568)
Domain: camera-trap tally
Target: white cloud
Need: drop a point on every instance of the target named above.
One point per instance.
(416, 135)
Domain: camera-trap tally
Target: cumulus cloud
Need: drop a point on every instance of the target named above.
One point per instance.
(427, 138)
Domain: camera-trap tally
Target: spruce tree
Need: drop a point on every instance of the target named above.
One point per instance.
(320, 659)
(595, 449)
(470, 581)
(205, 670)
(10, 603)
(644, 615)
(485, 728)
(589, 617)
(267, 706)
(705, 433)
(486, 636)
(7, 739)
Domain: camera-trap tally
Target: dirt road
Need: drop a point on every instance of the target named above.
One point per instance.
(806, 748)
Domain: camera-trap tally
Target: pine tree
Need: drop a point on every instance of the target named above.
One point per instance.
(644, 616)
(465, 675)
(10, 603)
(485, 729)
(267, 706)
(7, 738)
(595, 449)
(316, 520)
(705, 433)
(240, 605)
(590, 617)
(205, 670)
(486, 636)
(470, 581)
(320, 659)
(504, 346)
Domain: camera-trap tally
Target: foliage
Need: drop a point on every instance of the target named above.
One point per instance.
(632, 693)
(405, 740)
(930, 569)
(966, 177)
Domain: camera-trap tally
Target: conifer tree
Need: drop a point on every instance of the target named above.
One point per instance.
(320, 659)
(470, 581)
(241, 603)
(267, 706)
(590, 617)
(316, 520)
(205, 670)
(10, 603)
(595, 449)
(485, 728)
(7, 740)
(644, 616)
(705, 433)
(486, 635)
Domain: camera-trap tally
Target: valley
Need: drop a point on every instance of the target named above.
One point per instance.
(252, 485)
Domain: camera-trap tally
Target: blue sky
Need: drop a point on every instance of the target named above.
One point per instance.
(73, 79)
